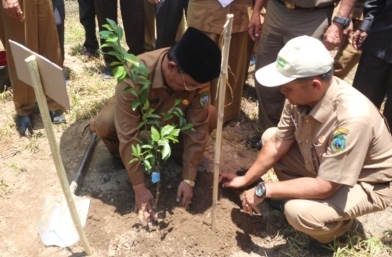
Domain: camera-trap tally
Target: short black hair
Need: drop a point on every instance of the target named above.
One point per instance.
(171, 56)
(323, 77)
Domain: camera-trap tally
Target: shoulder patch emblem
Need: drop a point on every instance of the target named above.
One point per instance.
(204, 99)
(338, 143)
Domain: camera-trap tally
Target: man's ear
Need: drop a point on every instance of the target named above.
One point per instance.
(172, 65)
(316, 84)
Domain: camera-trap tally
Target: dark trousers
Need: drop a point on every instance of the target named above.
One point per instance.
(169, 14)
(374, 79)
(132, 13)
(59, 16)
(87, 19)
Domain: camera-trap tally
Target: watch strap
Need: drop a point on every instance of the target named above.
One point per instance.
(344, 22)
(189, 182)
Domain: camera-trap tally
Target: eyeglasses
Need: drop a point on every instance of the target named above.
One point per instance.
(190, 86)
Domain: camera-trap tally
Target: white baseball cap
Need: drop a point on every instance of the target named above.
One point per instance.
(301, 57)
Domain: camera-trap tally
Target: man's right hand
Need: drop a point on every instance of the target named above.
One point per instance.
(12, 9)
(144, 202)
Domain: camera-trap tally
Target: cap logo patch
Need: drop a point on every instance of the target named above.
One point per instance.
(204, 99)
(338, 143)
(281, 62)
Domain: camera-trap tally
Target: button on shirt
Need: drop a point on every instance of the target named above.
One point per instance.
(364, 152)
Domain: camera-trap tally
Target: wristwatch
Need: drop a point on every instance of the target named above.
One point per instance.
(260, 190)
(189, 182)
(344, 22)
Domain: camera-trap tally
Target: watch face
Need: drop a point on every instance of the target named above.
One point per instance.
(260, 190)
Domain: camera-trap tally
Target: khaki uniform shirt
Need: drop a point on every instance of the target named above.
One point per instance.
(210, 16)
(194, 104)
(343, 139)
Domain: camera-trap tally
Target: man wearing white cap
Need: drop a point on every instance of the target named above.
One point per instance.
(331, 150)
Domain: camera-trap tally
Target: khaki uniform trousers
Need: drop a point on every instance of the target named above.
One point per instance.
(37, 32)
(241, 47)
(326, 219)
(149, 24)
(103, 125)
(281, 25)
(347, 56)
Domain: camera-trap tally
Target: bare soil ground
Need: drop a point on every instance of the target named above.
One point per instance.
(28, 176)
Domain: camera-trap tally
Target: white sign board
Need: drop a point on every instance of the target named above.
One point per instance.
(52, 76)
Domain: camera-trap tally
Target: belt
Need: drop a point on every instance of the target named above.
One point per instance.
(291, 6)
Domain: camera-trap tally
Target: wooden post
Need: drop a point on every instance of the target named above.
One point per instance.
(43, 107)
(222, 91)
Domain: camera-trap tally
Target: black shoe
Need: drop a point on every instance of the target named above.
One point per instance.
(254, 142)
(107, 72)
(276, 204)
(24, 124)
(57, 117)
(321, 249)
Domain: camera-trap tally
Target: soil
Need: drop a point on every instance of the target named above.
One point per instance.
(28, 176)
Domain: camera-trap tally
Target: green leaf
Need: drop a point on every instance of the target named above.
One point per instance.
(177, 102)
(133, 91)
(154, 134)
(118, 71)
(141, 124)
(153, 116)
(146, 105)
(148, 156)
(147, 165)
(187, 126)
(135, 105)
(147, 147)
(108, 27)
(166, 130)
(172, 138)
(104, 34)
(175, 132)
(112, 23)
(132, 59)
(166, 151)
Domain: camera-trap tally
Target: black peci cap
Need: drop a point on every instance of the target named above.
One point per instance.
(198, 55)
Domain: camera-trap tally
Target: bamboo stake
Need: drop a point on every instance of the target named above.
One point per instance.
(43, 106)
(222, 91)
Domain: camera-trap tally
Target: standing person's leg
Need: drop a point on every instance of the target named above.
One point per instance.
(40, 29)
(132, 12)
(106, 9)
(238, 64)
(23, 94)
(347, 56)
(280, 25)
(149, 24)
(388, 104)
(168, 17)
(87, 19)
(371, 78)
(59, 15)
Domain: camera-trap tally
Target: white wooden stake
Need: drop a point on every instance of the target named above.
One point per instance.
(221, 104)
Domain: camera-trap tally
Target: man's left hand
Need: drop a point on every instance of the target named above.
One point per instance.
(250, 202)
(334, 36)
(184, 194)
